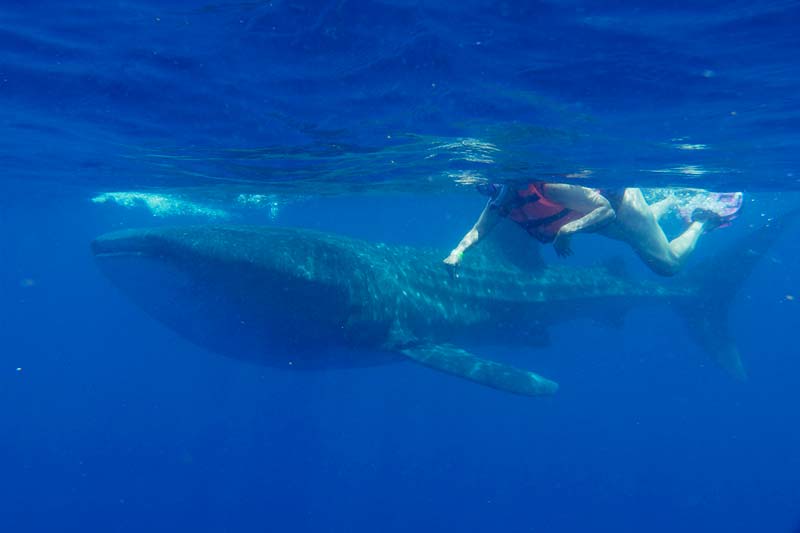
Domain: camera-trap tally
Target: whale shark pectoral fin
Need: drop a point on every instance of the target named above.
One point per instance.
(463, 364)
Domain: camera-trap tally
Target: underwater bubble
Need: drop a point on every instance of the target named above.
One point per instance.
(159, 204)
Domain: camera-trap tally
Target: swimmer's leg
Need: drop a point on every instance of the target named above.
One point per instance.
(648, 239)
(662, 207)
(682, 246)
(669, 259)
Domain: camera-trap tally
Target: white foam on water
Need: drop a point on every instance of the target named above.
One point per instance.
(468, 149)
(686, 170)
(160, 204)
(686, 146)
(466, 177)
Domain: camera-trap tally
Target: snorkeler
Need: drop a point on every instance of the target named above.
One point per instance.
(554, 212)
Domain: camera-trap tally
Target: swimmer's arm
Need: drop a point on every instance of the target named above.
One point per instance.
(583, 200)
(487, 221)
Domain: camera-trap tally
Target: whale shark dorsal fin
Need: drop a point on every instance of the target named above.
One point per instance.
(463, 364)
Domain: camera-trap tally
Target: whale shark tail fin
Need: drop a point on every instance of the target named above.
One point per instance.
(463, 364)
(717, 281)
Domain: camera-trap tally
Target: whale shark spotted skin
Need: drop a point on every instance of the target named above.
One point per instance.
(298, 298)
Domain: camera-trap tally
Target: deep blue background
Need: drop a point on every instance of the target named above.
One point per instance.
(116, 424)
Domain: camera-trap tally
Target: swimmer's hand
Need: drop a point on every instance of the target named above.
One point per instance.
(452, 261)
(562, 243)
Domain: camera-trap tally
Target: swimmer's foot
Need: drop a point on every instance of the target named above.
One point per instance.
(728, 206)
(703, 206)
(709, 219)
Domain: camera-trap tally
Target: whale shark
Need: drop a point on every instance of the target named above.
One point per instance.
(297, 298)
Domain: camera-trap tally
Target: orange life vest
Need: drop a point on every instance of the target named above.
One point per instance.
(540, 217)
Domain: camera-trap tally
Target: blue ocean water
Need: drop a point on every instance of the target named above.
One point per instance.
(376, 120)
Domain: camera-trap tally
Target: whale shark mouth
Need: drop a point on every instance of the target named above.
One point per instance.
(101, 254)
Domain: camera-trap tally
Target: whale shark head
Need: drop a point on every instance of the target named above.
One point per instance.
(270, 295)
